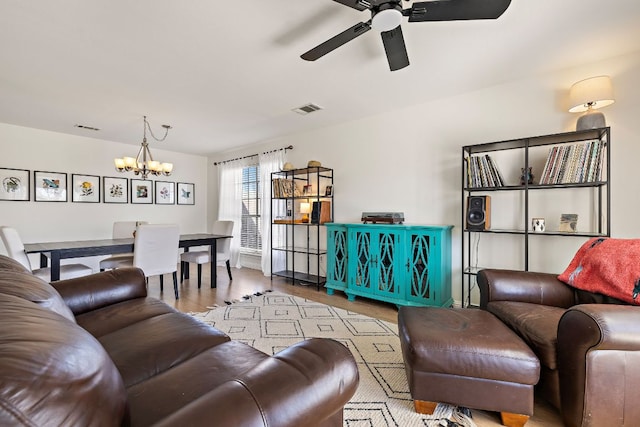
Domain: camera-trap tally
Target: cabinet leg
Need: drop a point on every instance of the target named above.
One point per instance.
(329, 291)
(350, 297)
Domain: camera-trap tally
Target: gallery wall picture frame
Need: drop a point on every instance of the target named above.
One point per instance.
(115, 190)
(49, 186)
(141, 191)
(14, 184)
(186, 193)
(85, 188)
(165, 193)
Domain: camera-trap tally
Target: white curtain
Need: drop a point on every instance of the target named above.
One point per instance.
(230, 202)
(270, 162)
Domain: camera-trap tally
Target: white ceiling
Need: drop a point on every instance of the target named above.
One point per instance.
(227, 74)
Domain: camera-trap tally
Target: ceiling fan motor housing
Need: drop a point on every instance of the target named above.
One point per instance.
(387, 17)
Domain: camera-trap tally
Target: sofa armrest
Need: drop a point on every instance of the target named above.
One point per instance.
(599, 363)
(94, 291)
(523, 286)
(305, 384)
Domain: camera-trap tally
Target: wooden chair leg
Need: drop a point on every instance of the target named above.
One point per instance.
(199, 275)
(513, 420)
(229, 270)
(175, 284)
(161, 283)
(182, 263)
(425, 407)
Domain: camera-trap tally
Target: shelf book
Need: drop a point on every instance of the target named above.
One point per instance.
(574, 163)
(482, 172)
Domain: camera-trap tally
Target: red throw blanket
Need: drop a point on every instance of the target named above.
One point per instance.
(607, 266)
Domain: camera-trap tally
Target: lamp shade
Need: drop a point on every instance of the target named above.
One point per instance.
(305, 207)
(594, 93)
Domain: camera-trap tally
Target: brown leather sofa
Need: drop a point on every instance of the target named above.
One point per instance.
(97, 351)
(588, 344)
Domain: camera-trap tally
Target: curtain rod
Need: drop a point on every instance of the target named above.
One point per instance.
(290, 147)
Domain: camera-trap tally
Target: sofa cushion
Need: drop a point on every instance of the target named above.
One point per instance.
(151, 401)
(53, 372)
(117, 316)
(152, 346)
(536, 324)
(31, 288)
(608, 267)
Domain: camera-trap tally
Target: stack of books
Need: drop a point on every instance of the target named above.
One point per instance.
(285, 188)
(574, 163)
(483, 172)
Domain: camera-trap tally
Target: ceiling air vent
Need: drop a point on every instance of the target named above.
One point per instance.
(306, 109)
(87, 127)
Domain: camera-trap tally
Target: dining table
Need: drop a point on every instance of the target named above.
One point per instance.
(53, 252)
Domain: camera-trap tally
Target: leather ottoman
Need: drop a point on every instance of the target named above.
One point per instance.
(467, 357)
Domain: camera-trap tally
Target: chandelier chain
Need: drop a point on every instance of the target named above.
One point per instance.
(147, 126)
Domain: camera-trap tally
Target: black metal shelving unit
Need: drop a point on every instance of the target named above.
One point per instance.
(601, 188)
(302, 248)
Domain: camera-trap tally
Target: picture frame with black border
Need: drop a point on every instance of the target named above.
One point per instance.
(141, 191)
(85, 188)
(328, 191)
(165, 193)
(14, 184)
(115, 189)
(186, 193)
(50, 186)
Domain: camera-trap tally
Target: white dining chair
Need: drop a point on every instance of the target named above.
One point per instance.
(155, 252)
(121, 230)
(15, 249)
(223, 252)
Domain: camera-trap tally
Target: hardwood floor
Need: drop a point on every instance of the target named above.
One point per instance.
(248, 281)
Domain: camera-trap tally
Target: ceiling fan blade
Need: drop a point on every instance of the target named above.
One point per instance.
(395, 48)
(356, 4)
(456, 10)
(336, 41)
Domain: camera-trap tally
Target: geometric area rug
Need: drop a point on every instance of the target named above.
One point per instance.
(272, 321)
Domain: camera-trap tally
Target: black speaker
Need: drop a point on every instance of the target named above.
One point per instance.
(478, 212)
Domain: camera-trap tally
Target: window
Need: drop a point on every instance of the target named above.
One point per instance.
(250, 238)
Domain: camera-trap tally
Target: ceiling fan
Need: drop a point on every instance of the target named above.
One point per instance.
(386, 16)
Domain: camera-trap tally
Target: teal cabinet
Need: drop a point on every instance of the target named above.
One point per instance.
(400, 264)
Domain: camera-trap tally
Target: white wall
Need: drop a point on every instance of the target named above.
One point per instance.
(33, 149)
(409, 160)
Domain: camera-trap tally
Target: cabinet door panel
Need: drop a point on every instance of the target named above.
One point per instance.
(337, 257)
(363, 260)
(418, 266)
(385, 261)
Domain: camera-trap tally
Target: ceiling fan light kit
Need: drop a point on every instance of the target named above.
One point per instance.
(386, 17)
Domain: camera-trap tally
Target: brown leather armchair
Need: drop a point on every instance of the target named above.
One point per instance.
(97, 351)
(588, 344)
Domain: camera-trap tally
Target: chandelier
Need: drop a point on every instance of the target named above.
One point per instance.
(143, 164)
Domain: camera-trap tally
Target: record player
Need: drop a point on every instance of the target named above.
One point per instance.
(383, 217)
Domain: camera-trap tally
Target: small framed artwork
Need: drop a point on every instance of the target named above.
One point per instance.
(50, 186)
(85, 188)
(165, 193)
(141, 191)
(306, 190)
(115, 190)
(186, 193)
(15, 184)
(568, 223)
(328, 190)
